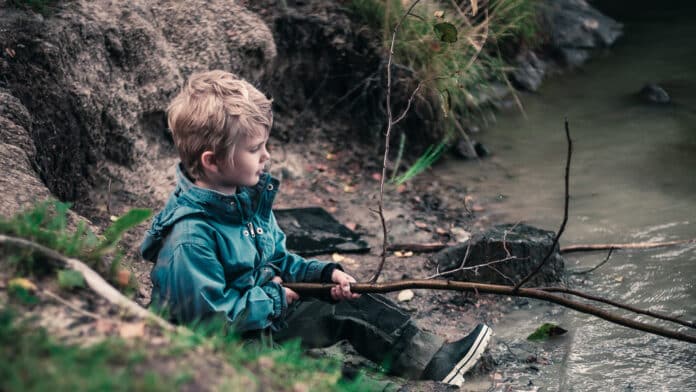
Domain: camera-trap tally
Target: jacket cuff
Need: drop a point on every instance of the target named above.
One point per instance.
(328, 271)
(314, 272)
(277, 294)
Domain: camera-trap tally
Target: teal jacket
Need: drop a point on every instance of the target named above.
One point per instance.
(216, 254)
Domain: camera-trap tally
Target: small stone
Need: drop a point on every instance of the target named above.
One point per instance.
(405, 295)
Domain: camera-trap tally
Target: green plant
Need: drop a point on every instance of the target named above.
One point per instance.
(453, 50)
(32, 361)
(47, 224)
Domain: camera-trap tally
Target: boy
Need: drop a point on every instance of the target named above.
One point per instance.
(219, 251)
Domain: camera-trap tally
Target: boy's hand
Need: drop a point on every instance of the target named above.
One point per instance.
(342, 290)
(290, 295)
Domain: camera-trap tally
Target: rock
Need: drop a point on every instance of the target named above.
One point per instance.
(470, 149)
(653, 93)
(529, 72)
(527, 243)
(575, 27)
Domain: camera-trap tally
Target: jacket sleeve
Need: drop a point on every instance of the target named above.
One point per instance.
(292, 267)
(194, 285)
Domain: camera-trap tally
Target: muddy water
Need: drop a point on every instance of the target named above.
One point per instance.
(633, 179)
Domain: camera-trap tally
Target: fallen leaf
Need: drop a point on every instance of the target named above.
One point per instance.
(352, 226)
(330, 156)
(398, 253)
(300, 387)
(348, 189)
(123, 277)
(332, 209)
(265, 362)
(113, 218)
(619, 279)
(405, 296)
(132, 330)
(420, 225)
(376, 176)
(460, 234)
(337, 257)
(439, 14)
(21, 283)
(105, 326)
(10, 52)
(401, 188)
(441, 231)
(477, 208)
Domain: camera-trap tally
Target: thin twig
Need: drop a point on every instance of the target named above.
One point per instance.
(633, 245)
(565, 213)
(56, 297)
(611, 250)
(537, 293)
(390, 124)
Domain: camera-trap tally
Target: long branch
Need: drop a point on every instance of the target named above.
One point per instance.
(565, 213)
(316, 288)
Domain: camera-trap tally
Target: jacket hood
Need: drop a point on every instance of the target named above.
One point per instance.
(189, 200)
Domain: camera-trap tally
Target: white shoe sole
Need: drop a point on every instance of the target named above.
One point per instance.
(456, 376)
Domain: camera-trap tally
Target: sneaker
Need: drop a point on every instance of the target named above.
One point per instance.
(454, 359)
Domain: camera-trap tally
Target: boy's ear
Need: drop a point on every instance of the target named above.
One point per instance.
(208, 161)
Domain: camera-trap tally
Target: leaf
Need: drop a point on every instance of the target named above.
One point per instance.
(474, 7)
(131, 219)
(446, 102)
(337, 257)
(21, 283)
(446, 32)
(439, 14)
(69, 279)
(132, 330)
(546, 331)
(123, 277)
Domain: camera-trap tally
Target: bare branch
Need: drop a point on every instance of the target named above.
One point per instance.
(565, 213)
(619, 305)
(408, 105)
(537, 293)
(634, 245)
(390, 124)
(611, 250)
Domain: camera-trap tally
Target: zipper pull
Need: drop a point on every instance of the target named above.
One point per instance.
(251, 230)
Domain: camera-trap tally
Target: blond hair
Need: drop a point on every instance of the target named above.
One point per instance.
(211, 113)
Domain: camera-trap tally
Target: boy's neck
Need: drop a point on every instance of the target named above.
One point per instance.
(218, 188)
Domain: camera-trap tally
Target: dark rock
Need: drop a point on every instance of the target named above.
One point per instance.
(527, 243)
(653, 93)
(470, 149)
(529, 73)
(575, 27)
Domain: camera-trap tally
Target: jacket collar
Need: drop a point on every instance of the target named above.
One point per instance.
(239, 207)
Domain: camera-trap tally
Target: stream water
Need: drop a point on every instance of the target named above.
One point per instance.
(633, 179)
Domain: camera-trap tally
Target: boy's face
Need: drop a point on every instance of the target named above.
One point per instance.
(244, 166)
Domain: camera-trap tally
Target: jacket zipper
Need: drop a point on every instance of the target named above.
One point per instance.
(251, 230)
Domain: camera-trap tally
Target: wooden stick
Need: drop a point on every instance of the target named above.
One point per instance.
(424, 248)
(315, 288)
